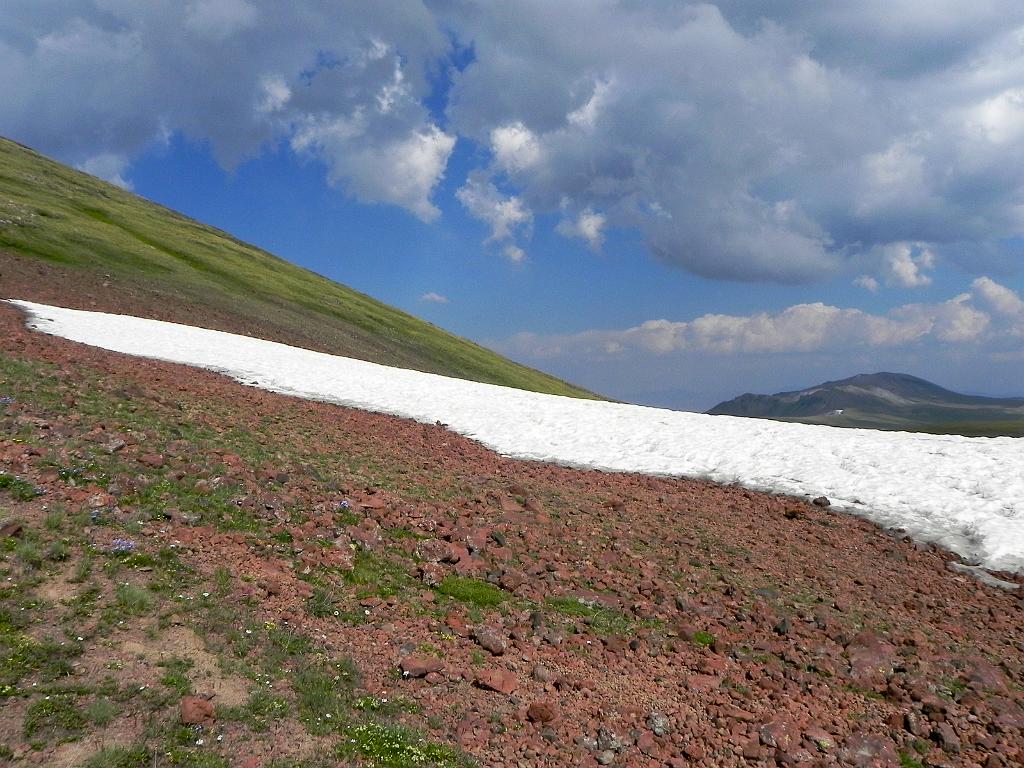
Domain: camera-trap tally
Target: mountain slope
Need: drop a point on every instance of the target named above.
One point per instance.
(70, 239)
(885, 401)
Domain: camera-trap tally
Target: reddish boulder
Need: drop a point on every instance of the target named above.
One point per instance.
(196, 710)
(420, 666)
(499, 680)
(869, 751)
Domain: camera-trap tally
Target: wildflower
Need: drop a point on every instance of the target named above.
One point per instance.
(122, 546)
(6, 400)
(345, 505)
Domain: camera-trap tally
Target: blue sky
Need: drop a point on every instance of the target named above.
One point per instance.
(666, 202)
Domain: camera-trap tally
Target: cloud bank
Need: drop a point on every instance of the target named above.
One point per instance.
(989, 315)
(745, 140)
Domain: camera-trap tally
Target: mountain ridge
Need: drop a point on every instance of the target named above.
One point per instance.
(884, 400)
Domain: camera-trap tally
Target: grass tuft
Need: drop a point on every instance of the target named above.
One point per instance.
(473, 591)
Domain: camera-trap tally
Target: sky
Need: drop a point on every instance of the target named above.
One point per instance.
(666, 202)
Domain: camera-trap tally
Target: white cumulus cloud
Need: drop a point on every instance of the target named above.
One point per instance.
(802, 328)
(588, 226)
(109, 167)
(505, 215)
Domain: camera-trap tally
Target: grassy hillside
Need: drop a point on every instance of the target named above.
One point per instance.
(71, 239)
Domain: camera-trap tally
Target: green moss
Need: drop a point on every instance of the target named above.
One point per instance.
(101, 712)
(176, 675)
(473, 591)
(378, 575)
(703, 639)
(321, 605)
(391, 706)
(600, 619)
(21, 657)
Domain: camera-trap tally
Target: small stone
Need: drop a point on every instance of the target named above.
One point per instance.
(869, 751)
(821, 501)
(658, 723)
(646, 743)
(544, 674)
(946, 737)
(11, 530)
(420, 666)
(153, 460)
(917, 725)
(607, 757)
(607, 739)
(490, 639)
(542, 711)
(432, 574)
(777, 734)
(821, 738)
(694, 751)
(752, 749)
(499, 680)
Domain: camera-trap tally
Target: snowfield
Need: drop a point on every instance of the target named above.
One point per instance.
(965, 494)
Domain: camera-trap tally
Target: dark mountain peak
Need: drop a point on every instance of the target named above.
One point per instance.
(873, 399)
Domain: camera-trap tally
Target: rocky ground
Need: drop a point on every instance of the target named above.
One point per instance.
(199, 573)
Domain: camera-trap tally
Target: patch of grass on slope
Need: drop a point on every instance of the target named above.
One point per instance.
(194, 273)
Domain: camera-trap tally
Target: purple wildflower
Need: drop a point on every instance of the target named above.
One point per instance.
(122, 546)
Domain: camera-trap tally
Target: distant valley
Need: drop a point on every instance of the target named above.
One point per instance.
(894, 401)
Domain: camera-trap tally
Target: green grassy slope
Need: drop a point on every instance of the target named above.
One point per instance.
(67, 235)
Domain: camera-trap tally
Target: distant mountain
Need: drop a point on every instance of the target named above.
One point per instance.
(885, 401)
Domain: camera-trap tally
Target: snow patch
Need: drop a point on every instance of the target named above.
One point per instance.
(965, 494)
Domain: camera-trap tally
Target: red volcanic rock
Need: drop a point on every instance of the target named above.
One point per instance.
(871, 658)
(433, 550)
(706, 557)
(432, 574)
(500, 680)
(542, 711)
(420, 666)
(196, 710)
(490, 639)
(869, 751)
(779, 734)
(983, 675)
(152, 460)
